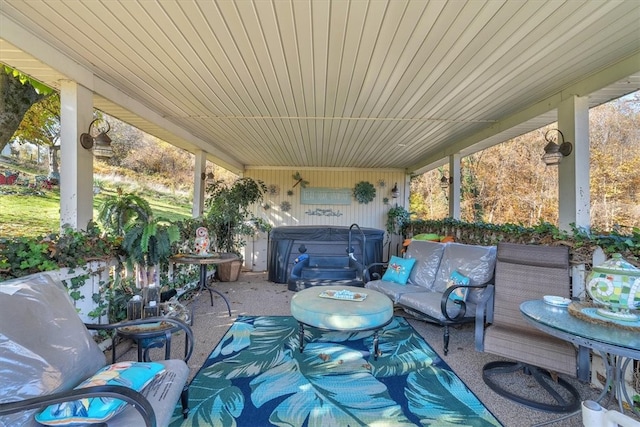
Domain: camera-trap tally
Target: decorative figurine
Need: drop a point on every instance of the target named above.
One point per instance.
(202, 241)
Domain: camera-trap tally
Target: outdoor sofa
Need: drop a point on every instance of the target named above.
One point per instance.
(442, 283)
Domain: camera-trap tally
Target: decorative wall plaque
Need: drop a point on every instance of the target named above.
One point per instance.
(325, 196)
(323, 212)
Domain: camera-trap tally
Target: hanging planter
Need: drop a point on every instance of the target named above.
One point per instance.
(364, 192)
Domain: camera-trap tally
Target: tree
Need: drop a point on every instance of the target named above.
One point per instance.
(17, 94)
(125, 138)
(41, 126)
(508, 183)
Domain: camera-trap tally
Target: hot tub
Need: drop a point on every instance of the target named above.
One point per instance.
(288, 242)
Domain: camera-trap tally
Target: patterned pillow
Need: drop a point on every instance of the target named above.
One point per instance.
(134, 375)
(399, 270)
(460, 294)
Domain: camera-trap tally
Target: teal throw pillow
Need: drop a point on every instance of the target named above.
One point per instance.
(459, 294)
(135, 375)
(399, 270)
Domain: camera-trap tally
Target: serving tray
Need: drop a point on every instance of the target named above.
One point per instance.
(343, 294)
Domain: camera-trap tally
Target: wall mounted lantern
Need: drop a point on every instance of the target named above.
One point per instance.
(206, 176)
(395, 193)
(100, 143)
(554, 152)
(445, 182)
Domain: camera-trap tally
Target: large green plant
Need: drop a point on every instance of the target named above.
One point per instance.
(147, 241)
(117, 212)
(227, 211)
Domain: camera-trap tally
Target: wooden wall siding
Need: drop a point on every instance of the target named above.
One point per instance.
(372, 214)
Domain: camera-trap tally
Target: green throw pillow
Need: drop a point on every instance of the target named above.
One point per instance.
(135, 375)
(460, 294)
(399, 270)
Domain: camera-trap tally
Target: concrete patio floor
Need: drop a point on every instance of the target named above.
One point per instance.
(253, 294)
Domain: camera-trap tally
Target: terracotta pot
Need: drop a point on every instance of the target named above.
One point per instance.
(229, 271)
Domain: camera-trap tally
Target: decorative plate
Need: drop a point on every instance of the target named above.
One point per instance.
(343, 295)
(557, 301)
(596, 313)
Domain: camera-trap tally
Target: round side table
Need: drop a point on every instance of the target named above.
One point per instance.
(146, 337)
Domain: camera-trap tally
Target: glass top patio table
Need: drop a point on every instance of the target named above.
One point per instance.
(558, 322)
(617, 346)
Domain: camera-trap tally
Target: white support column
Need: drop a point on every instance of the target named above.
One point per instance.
(199, 171)
(573, 173)
(76, 169)
(454, 186)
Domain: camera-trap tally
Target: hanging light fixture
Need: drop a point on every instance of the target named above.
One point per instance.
(100, 143)
(395, 193)
(554, 152)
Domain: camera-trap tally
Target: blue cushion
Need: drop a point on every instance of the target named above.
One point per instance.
(399, 270)
(134, 375)
(460, 294)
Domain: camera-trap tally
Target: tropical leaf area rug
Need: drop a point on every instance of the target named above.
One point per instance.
(256, 376)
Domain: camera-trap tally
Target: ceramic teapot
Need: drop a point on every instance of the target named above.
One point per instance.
(615, 284)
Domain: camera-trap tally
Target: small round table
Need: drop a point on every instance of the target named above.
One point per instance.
(147, 336)
(325, 307)
(204, 261)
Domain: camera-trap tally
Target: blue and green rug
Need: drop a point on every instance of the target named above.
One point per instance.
(256, 376)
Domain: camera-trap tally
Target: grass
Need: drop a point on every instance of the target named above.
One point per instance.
(29, 213)
(32, 212)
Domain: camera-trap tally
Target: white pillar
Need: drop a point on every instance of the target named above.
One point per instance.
(573, 174)
(199, 171)
(76, 168)
(455, 185)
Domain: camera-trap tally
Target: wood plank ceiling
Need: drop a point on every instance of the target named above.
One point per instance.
(350, 84)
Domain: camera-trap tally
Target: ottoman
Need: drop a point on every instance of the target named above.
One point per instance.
(342, 308)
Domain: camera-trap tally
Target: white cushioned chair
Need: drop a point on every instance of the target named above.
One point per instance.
(46, 351)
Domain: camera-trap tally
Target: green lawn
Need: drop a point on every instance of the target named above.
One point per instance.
(30, 213)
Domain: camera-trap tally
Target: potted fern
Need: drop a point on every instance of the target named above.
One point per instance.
(146, 240)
